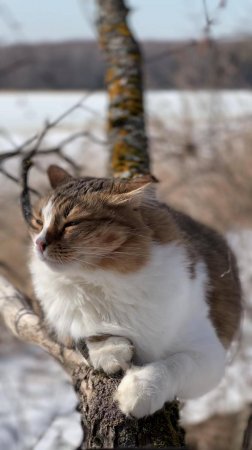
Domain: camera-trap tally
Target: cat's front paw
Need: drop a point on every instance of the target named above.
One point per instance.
(140, 393)
(111, 355)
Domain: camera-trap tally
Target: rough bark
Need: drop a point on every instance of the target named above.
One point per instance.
(105, 426)
(126, 124)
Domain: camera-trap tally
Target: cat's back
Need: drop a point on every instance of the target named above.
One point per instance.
(224, 293)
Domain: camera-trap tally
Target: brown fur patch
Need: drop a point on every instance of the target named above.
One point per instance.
(224, 296)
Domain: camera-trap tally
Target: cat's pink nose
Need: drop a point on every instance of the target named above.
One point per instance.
(41, 244)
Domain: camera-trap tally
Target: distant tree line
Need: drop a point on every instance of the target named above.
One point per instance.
(168, 65)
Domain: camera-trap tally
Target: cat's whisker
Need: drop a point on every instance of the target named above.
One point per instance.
(106, 251)
(59, 260)
(88, 263)
(111, 255)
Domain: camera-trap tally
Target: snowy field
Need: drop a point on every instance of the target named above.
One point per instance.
(24, 112)
(37, 403)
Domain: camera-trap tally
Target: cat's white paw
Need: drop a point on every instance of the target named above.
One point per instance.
(111, 355)
(140, 392)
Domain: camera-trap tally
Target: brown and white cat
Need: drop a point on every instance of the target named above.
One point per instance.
(110, 261)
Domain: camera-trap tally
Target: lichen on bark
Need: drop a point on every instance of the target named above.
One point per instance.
(126, 125)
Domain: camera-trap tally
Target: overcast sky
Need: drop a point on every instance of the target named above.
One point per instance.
(47, 20)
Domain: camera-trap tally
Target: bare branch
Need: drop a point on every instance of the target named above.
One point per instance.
(25, 194)
(37, 138)
(8, 154)
(28, 155)
(209, 21)
(212, 20)
(26, 325)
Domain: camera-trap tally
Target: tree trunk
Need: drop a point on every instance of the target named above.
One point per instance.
(126, 124)
(105, 426)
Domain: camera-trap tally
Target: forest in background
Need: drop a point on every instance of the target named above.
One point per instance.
(205, 64)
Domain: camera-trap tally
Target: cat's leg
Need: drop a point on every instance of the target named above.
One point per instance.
(110, 354)
(189, 374)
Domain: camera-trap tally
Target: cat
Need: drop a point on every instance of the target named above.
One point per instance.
(136, 279)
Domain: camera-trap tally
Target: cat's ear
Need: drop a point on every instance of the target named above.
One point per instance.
(144, 195)
(138, 192)
(57, 175)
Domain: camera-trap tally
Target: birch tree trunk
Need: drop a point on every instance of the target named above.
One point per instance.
(126, 124)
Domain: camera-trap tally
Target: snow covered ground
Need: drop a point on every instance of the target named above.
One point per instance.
(37, 401)
(25, 112)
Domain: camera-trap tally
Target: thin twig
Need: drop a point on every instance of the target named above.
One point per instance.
(209, 21)
(39, 135)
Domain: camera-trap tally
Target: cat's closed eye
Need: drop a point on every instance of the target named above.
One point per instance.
(87, 220)
(37, 223)
(72, 223)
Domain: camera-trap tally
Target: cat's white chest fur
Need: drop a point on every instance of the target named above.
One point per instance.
(161, 308)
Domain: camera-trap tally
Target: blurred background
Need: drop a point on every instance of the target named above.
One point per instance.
(197, 65)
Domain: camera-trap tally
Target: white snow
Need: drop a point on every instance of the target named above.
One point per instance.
(22, 114)
(29, 110)
(25, 111)
(37, 401)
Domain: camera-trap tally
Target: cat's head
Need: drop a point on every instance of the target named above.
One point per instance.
(92, 223)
